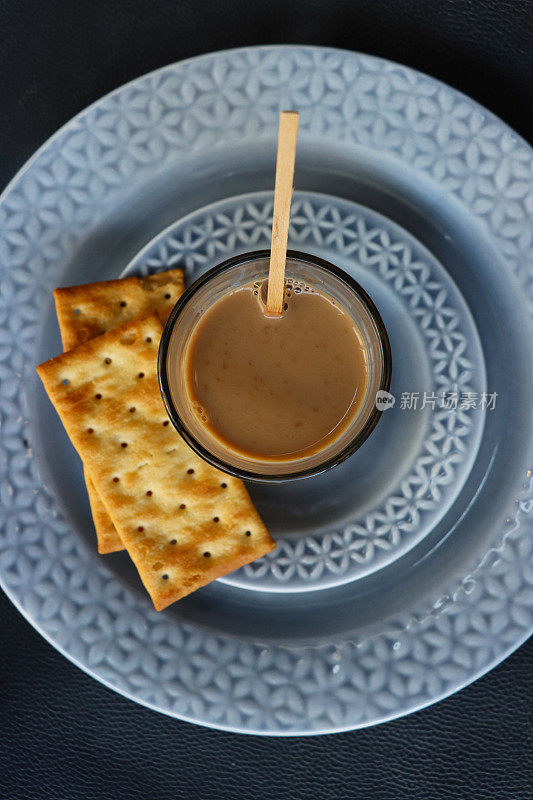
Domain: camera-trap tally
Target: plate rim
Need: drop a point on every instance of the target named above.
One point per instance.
(264, 733)
(243, 49)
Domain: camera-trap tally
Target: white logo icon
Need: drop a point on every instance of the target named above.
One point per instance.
(384, 400)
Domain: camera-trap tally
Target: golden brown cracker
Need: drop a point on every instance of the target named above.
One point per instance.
(183, 522)
(107, 537)
(89, 310)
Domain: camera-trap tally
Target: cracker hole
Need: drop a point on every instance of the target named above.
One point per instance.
(148, 339)
(248, 533)
(216, 519)
(78, 310)
(124, 444)
(207, 554)
(182, 506)
(149, 493)
(115, 480)
(140, 528)
(165, 423)
(107, 361)
(167, 296)
(98, 396)
(132, 409)
(65, 381)
(165, 577)
(173, 541)
(223, 485)
(190, 472)
(90, 430)
(141, 374)
(123, 304)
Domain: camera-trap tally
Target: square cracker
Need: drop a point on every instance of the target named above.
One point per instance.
(91, 309)
(183, 522)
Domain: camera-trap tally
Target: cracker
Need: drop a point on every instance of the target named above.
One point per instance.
(183, 522)
(107, 538)
(89, 310)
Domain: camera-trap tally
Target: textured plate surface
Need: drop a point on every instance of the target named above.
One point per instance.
(457, 186)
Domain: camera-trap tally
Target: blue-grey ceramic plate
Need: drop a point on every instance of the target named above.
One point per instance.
(405, 573)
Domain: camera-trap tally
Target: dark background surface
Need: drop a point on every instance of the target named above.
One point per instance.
(62, 735)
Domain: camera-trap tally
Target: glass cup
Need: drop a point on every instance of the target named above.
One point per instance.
(240, 271)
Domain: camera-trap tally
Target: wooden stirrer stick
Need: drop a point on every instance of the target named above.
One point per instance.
(288, 131)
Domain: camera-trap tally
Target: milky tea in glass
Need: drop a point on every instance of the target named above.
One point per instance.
(274, 396)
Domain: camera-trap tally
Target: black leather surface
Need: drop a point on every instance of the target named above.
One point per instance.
(62, 735)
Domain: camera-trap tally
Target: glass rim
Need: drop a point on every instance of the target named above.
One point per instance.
(200, 449)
